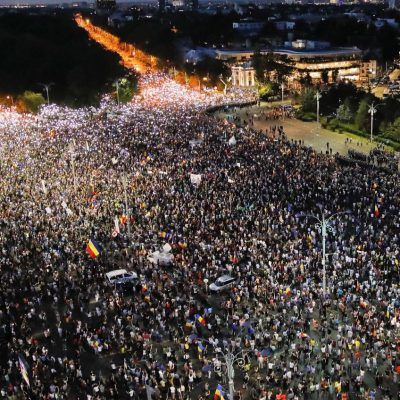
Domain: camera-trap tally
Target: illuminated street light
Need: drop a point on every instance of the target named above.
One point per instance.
(372, 110)
(12, 100)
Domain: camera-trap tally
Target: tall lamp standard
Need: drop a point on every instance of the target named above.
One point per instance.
(225, 84)
(318, 96)
(46, 88)
(324, 226)
(125, 184)
(72, 154)
(229, 356)
(372, 110)
(117, 87)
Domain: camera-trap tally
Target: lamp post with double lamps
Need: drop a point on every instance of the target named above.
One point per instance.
(372, 110)
(229, 356)
(324, 226)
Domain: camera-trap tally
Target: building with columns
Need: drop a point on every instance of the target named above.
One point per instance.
(243, 75)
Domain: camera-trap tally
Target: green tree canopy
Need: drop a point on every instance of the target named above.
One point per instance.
(32, 101)
(393, 131)
(361, 119)
(307, 100)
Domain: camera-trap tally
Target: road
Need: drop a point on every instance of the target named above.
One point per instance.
(131, 57)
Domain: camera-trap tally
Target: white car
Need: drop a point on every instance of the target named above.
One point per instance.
(222, 283)
(120, 276)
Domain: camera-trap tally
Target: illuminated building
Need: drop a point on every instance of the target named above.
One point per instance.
(243, 75)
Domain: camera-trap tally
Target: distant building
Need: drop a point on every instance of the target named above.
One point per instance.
(248, 27)
(284, 25)
(178, 3)
(243, 75)
(106, 4)
(368, 70)
(309, 57)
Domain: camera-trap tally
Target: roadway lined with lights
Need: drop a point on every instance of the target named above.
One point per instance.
(131, 57)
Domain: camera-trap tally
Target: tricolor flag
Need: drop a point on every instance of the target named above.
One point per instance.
(219, 393)
(93, 248)
(200, 319)
(200, 347)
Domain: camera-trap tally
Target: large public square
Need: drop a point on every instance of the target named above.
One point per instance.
(160, 179)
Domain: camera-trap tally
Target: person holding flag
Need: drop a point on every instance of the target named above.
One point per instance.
(93, 249)
(219, 393)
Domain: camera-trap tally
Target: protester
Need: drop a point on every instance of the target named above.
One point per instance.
(227, 200)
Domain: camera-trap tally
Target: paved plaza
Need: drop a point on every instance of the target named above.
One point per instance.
(309, 132)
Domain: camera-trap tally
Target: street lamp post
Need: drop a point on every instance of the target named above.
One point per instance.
(372, 111)
(46, 87)
(72, 153)
(117, 87)
(324, 226)
(318, 96)
(124, 183)
(225, 85)
(230, 359)
(282, 86)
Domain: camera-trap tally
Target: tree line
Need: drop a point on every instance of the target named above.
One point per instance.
(50, 48)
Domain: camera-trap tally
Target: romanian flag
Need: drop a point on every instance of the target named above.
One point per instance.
(219, 393)
(182, 245)
(200, 320)
(93, 248)
(200, 347)
(376, 211)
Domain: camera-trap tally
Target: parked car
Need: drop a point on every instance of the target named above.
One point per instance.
(120, 277)
(222, 283)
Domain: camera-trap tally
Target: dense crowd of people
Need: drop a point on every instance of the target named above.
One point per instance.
(228, 200)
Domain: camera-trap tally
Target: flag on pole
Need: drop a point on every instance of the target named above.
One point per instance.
(200, 347)
(219, 393)
(93, 248)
